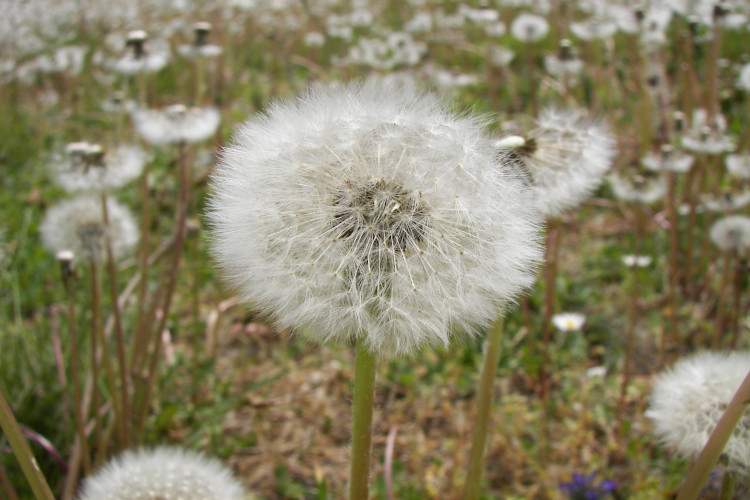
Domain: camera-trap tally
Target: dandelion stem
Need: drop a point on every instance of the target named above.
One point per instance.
(550, 276)
(720, 302)
(740, 271)
(364, 392)
(484, 406)
(7, 487)
(123, 427)
(95, 335)
(23, 453)
(704, 464)
(171, 284)
(143, 265)
(75, 377)
(727, 486)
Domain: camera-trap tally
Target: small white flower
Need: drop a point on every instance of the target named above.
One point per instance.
(372, 211)
(731, 233)
(637, 260)
(689, 399)
(77, 225)
(529, 28)
(164, 474)
(568, 322)
(176, 124)
(596, 372)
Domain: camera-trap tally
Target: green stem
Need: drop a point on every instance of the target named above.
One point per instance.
(484, 405)
(364, 391)
(727, 486)
(704, 464)
(23, 453)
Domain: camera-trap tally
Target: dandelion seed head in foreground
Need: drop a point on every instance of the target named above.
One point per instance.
(689, 399)
(162, 474)
(371, 210)
(77, 225)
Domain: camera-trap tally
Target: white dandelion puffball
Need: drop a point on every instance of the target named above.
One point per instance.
(529, 28)
(371, 210)
(731, 232)
(77, 225)
(567, 156)
(689, 399)
(176, 124)
(88, 168)
(162, 474)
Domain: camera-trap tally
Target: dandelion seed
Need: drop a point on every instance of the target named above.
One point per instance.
(162, 474)
(689, 399)
(370, 211)
(76, 225)
(176, 124)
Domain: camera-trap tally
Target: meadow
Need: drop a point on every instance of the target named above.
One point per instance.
(124, 324)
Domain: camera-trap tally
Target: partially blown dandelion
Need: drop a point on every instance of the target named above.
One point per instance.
(690, 398)
(372, 211)
(162, 474)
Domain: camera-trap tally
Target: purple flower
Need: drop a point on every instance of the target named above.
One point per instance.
(585, 487)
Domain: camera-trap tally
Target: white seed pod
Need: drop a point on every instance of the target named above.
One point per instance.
(371, 210)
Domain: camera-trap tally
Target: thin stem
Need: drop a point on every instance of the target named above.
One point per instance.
(720, 302)
(123, 428)
(364, 393)
(7, 487)
(704, 464)
(674, 267)
(550, 276)
(179, 244)
(484, 406)
(95, 328)
(75, 376)
(23, 453)
(143, 266)
(727, 486)
(740, 271)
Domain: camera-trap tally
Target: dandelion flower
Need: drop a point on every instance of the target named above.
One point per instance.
(689, 399)
(668, 160)
(76, 225)
(88, 168)
(529, 28)
(738, 165)
(731, 233)
(176, 124)
(639, 189)
(162, 474)
(568, 322)
(371, 211)
(567, 156)
(200, 46)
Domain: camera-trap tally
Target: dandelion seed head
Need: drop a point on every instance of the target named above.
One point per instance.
(89, 168)
(372, 210)
(689, 399)
(568, 160)
(731, 233)
(638, 188)
(529, 28)
(162, 474)
(76, 225)
(175, 124)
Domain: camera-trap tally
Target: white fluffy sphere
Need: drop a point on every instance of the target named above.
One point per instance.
(372, 210)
